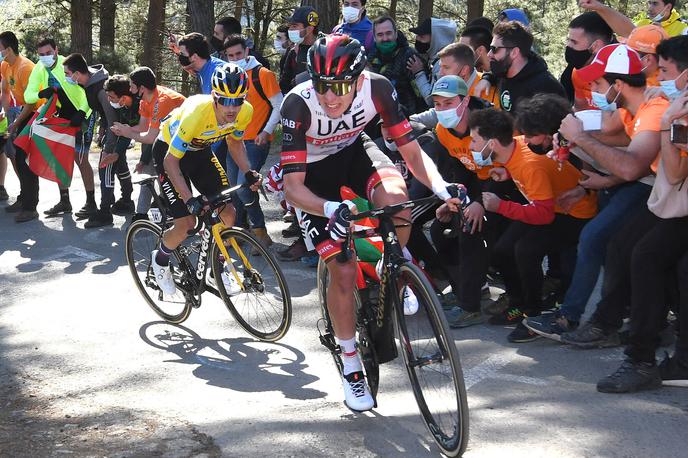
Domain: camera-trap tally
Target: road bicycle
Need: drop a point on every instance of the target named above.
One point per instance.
(229, 262)
(425, 342)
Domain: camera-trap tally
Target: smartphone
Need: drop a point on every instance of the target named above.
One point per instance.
(679, 134)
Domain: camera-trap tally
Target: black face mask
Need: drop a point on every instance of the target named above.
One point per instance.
(216, 43)
(499, 68)
(184, 60)
(538, 149)
(577, 58)
(422, 47)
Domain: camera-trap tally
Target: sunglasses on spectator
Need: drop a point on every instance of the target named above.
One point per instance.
(339, 88)
(229, 101)
(494, 49)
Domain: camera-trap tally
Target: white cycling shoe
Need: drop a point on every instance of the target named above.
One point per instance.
(163, 276)
(232, 286)
(356, 393)
(410, 302)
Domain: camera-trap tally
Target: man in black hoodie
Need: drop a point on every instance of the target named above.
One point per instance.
(392, 53)
(93, 79)
(520, 72)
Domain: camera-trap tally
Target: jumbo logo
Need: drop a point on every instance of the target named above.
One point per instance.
(205, 243)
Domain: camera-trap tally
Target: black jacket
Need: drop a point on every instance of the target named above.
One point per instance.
(533, 79)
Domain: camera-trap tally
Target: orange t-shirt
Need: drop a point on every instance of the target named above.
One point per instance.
(581, 90)
(163, 102)
(460, 148)
(648, 118)
(491, 95)
(261, 108)
(651, 80)
(17, 76)
(539, 178)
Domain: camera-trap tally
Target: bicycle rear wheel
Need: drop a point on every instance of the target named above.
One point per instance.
(142, 238)
(261, 303)
(432, 362)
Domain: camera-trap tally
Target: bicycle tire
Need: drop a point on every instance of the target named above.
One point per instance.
(363, 339)
(139, 260)
(447, 417)
(250, 314)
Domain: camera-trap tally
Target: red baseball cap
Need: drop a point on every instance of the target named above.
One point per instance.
(614, 58)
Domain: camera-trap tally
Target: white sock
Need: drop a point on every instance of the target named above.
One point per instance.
(350, 358)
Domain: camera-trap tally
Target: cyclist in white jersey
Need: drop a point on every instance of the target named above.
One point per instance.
(323, 149)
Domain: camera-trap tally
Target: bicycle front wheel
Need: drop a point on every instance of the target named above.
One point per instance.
(432, 362)
(142, 238)
(252, 286)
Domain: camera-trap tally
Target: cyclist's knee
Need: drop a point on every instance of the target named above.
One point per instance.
(184, 225)
(342, 275)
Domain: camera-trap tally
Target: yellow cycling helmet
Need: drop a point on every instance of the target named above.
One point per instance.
(229, 80)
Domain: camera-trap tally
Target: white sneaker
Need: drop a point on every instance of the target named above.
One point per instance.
(356, 394)
(232, 286)
(410, 302)
(163, 276)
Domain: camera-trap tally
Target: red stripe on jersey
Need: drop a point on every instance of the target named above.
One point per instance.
(293, 157)
(401, 129)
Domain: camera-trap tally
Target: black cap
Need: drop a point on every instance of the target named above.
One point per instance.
(424, 28)
(305, 15)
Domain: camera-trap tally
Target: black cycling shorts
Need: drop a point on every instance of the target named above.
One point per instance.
(198, 167)
(360, 166)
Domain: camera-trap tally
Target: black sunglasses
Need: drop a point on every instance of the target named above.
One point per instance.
(494, 49)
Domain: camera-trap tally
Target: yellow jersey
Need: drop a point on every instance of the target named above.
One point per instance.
(193, 126)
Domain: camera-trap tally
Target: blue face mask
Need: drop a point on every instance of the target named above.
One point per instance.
(479, 160)
(451, 118)
(669, 88)
(600, 101)
(70, 80)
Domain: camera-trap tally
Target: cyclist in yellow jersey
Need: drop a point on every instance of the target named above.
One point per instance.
(182, 153)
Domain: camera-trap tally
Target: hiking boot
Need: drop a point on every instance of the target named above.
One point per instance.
(123, 207)
(673, 373)
(99, 219)
(86, 211)
(510, 317)
(62, 207)
(294, 252)
(460, 318)
(521, 334)
(497, 307)
(591, 335)
(551, 326)
(263, 237)
(293, 230)
(3, 194)
(356, 393)
(25, 215)
(15, 207)
(631, 376)
(163, 276)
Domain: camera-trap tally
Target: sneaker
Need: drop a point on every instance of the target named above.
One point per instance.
(551, 325)
(510, 317)
(356, 394)
(15, 207)
(86, 211)
(590, 335)
(448, 301)
(59, 208)
(293, 230)
(3, 194)
(410, 302)
(497, 307)
(163, 276)
(673, 373)
(99, 219)
(631, 376)
(288, 217)
(294, 252)
(521, 334)
(123, 207)
(485, 294)
(460, 318)
(25, 215)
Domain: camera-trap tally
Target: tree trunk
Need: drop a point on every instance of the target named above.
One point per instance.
(475, 9)
(108, 10)
(393, 9)
(238, 7)
(263, 39)
(82, 28)
(202, 14)
(328, 11)
(153, 37)
(424, 10)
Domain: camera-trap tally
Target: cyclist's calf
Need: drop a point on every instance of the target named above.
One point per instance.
(340, 300)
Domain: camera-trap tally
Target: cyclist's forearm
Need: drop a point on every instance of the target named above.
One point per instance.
(424, 169)
(237, 150)
(298, 195)
(174, 173)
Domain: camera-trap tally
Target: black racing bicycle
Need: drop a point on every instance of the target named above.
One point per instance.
(227, 261)
(426, 344)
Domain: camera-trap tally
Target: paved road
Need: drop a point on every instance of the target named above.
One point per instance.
(87, 369)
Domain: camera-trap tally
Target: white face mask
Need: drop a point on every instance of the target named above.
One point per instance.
(350, 14)
(48, 61)
(241, 63)
(115, 105)
(278, 46)
(295, 36)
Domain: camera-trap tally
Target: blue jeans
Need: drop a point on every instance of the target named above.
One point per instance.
(248, 201)
(616, 206)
